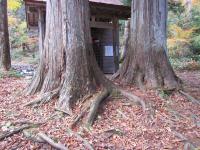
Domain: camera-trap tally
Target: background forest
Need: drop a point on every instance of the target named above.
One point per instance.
(183, 34)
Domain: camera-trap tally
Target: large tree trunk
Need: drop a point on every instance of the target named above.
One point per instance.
(78, 77)
(146, 62)
(67, 68)
(4, 37)
(51, 66)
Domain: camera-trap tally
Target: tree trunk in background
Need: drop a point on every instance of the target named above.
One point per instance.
(146, 62)
(4, 36)
(49, 73)
(67, 64)
(126, 40)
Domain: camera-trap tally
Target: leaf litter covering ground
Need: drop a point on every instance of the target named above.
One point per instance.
(119, 125)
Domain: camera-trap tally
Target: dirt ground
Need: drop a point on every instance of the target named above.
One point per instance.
(173, 122)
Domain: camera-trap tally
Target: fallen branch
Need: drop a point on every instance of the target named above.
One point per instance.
(85, 142)
(51, 142)
(17, 130)
(94, 106)
(45, 98)
(192, 99)
(133, 98)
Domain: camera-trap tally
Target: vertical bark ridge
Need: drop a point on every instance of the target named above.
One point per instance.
(49, 73)
(68, 64)
(146, 63)
(78, 80)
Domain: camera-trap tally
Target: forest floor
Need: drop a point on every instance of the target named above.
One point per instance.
(174, 122)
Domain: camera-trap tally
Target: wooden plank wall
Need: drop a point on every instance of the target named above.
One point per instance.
(104, 38)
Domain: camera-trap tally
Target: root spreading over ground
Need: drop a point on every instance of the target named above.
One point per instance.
(118, 122)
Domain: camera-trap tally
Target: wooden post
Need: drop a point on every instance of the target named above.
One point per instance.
(116, 43)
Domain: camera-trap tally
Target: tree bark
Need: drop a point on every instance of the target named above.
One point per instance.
(4, 36)
(146, 63)
(67, 62)
(78, 78)
(51, 66)
(126, 40)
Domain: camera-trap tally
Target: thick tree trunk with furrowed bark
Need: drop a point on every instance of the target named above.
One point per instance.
(78, 78)
(51, 66)
(5, 59)
(146, 62)
(68, 68)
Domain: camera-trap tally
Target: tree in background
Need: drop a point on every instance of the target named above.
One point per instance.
(146, 63)
(4, 36)
(126, 35)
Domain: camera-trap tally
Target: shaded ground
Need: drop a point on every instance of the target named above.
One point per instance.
(171, 119)
(191, 82)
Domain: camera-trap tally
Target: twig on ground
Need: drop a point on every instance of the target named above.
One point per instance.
(86, 143)
(51, 142)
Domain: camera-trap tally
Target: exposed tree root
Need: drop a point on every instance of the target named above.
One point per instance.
(22, 122)
(109, 133)
(115, 75)
(62, 111)
(133, 98)
(78, 117)
(94, 106)
(91, 108)
(45, 98)
(31, 137)
(17, 130)
(122, 114)
(190, 98)
(85, 142)
(90, 104)
(188, 143)
(48, 140)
